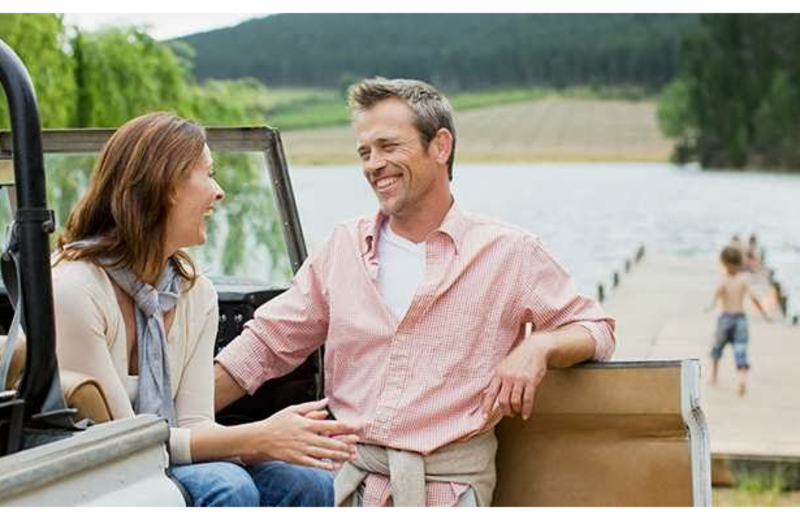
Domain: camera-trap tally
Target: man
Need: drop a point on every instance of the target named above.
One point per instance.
(422, 309)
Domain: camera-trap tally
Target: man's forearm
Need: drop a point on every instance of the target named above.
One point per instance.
(226, 389)
(567, 346)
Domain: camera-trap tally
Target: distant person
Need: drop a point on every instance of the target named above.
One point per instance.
(736, 242)
(732, 324)
(753, 255)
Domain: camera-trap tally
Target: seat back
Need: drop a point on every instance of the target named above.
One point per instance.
(17, 364)
(616, 434)
(85, 395)
(81, 392)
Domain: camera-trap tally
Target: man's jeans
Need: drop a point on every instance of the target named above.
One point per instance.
(216, 484)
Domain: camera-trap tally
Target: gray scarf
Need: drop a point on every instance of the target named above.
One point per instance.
(155, 390)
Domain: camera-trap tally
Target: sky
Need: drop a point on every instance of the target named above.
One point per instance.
(162, 25)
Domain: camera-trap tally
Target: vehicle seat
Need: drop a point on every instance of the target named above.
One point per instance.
(81, 392)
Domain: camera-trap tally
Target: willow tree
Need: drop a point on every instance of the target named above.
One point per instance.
(105, 78)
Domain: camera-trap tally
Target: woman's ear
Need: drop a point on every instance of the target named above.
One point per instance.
(172, 199)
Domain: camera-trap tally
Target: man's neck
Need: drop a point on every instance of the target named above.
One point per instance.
(417, 224)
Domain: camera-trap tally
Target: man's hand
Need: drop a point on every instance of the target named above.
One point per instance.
(513, 385)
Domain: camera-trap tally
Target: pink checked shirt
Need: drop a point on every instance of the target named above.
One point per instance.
(414, 384)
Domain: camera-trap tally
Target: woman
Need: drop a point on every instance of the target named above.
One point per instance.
(133, 312)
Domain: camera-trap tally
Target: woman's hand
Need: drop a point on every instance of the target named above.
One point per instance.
(300, 434)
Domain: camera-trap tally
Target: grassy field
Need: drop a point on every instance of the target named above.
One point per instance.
(738, 497)
(306, 108)
(291, 109)
(299, 109)
(768, 487)
(544, 128)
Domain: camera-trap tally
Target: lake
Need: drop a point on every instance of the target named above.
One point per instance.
(594, 216)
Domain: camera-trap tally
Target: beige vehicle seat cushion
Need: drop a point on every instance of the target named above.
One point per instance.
(85, 394)
(80, 391)
(17, 363)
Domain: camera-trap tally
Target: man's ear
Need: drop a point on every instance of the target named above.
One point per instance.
(442, 144)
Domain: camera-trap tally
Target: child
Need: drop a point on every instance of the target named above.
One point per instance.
(732, 323)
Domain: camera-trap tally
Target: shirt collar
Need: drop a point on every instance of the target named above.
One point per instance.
(453, 225)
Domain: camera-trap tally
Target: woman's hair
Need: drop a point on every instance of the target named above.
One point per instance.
(126, 204)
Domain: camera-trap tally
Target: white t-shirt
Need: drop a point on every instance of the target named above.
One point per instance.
(402, 269)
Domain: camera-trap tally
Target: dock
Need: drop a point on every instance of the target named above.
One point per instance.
(659, 307)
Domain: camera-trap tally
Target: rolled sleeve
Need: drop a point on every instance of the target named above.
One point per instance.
(282, 333)
(549, 300)
(603, 334)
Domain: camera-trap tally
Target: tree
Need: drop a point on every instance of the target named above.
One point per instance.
(107, 78)
(453, 50)
(738, 93)
(40, 40)
(675, 118)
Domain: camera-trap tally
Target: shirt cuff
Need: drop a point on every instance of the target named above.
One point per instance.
(603, 334)
(239, 360)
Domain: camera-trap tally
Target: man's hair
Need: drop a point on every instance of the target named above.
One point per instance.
(432, 111)
(731, 257)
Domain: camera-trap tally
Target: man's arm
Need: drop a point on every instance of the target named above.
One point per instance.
(569, 345)
(281, 335)
(568, 328)
(226, 389)
(515, 380)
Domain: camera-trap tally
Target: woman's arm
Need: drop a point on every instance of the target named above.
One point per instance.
(83, 315)
(298, 434)
(194, 398)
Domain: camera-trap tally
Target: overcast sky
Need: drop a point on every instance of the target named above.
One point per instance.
(161, 26)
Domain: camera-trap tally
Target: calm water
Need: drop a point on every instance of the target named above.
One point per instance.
(594, 216)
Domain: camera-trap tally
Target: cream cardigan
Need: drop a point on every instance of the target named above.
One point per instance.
(90, 338)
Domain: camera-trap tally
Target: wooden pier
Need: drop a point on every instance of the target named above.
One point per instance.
(659, 306)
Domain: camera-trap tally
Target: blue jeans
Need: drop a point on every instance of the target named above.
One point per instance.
(218, 484)
(732, 328)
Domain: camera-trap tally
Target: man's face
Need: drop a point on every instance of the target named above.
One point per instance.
(402, 172)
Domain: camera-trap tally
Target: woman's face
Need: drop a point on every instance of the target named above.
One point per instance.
(192, 203)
